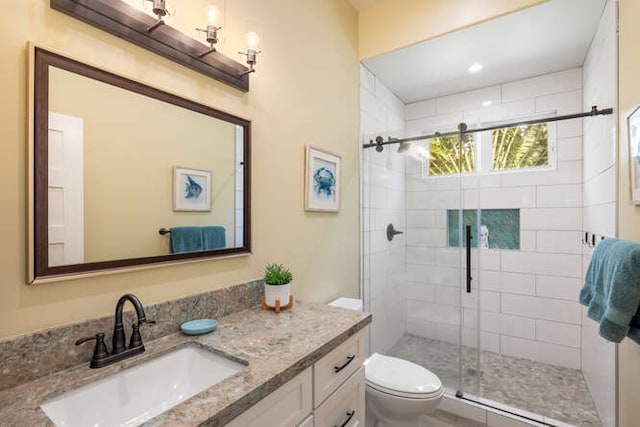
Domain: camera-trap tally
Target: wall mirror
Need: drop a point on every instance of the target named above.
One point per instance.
(126, 175)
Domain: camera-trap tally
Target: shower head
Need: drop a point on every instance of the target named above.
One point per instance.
(404, 147)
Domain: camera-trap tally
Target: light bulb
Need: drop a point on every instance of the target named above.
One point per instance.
(252, 40)
(212, 14)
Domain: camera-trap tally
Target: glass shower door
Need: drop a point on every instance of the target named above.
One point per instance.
(463, 223)
(441, 321)
(468, 226)
(383, 259)
(415, 284)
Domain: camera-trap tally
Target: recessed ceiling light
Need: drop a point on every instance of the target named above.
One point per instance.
(475, 68)
(486, 103)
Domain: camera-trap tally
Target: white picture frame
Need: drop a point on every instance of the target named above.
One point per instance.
(322, 180)
(633, 137)
(191, 190)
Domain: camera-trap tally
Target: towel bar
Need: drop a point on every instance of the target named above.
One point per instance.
(164, 231)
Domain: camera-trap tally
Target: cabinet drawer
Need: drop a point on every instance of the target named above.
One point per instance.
(345, 407)
(333, 369)
(288, 406)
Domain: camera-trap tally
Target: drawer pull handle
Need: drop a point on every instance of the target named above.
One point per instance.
(349, 416)
(349, 360)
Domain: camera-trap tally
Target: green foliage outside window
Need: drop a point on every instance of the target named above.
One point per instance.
(512, 148)
(448, 156)
(520, 147)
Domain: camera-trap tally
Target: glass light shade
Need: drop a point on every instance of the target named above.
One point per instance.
(212, 13)
(252, 40)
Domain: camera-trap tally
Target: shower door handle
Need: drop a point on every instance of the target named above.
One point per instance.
(469, 278)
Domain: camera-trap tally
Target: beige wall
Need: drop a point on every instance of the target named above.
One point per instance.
(305, 91)
(131, 144)
(393, 24)
(628, 214)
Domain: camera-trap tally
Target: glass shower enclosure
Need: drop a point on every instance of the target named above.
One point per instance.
(452, 286)
(422, 286)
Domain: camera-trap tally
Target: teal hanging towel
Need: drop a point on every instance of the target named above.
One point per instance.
(185, 239)
(213, 237)
(612, 288)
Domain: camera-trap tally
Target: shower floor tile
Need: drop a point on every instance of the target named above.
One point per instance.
(550, 391)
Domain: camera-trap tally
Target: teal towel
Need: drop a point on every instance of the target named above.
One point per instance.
(213, 237)
(185, 239)
(612, 287)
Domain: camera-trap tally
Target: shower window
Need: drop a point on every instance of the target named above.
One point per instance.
(520, 147)
(449, 156)
(508, 149)
(517, 148)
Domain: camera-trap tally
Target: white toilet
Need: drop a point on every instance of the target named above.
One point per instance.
(398, 392)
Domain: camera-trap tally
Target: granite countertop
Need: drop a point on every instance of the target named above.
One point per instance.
(276, 347)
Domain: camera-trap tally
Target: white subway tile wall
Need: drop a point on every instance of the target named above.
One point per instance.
(569, 149)
(528, 298)
(382, 202)
(599, 197)
(548, 84)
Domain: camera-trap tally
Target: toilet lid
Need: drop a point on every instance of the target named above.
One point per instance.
(401, 377)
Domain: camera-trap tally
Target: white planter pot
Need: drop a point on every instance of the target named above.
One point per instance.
(274, 292)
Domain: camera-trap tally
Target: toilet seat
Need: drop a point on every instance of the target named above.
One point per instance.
(401, 378)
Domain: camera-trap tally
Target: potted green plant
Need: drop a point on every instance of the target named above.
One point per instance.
(277, 284)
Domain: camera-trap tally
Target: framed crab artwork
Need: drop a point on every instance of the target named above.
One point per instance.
(322, 180)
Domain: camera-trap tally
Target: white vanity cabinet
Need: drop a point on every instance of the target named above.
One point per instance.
(328, 394)
(345, 407)
(334, 368)
(288, 406)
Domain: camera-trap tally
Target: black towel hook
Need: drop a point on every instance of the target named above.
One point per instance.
(592, 239)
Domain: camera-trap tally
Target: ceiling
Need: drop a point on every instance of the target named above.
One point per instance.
(546, 38)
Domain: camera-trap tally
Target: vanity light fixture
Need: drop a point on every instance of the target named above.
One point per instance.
(252, 51)
(153, 33)
(211, 30)
(159, 8)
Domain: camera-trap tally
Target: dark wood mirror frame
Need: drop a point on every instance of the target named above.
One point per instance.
(40, 271)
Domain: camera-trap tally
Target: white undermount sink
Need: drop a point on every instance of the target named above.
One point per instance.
(135, 395)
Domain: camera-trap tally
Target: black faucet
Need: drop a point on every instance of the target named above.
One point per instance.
(101, 357)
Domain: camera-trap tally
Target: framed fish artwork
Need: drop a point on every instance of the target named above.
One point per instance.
(633, 127)
(191, 189)
(322, 180)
